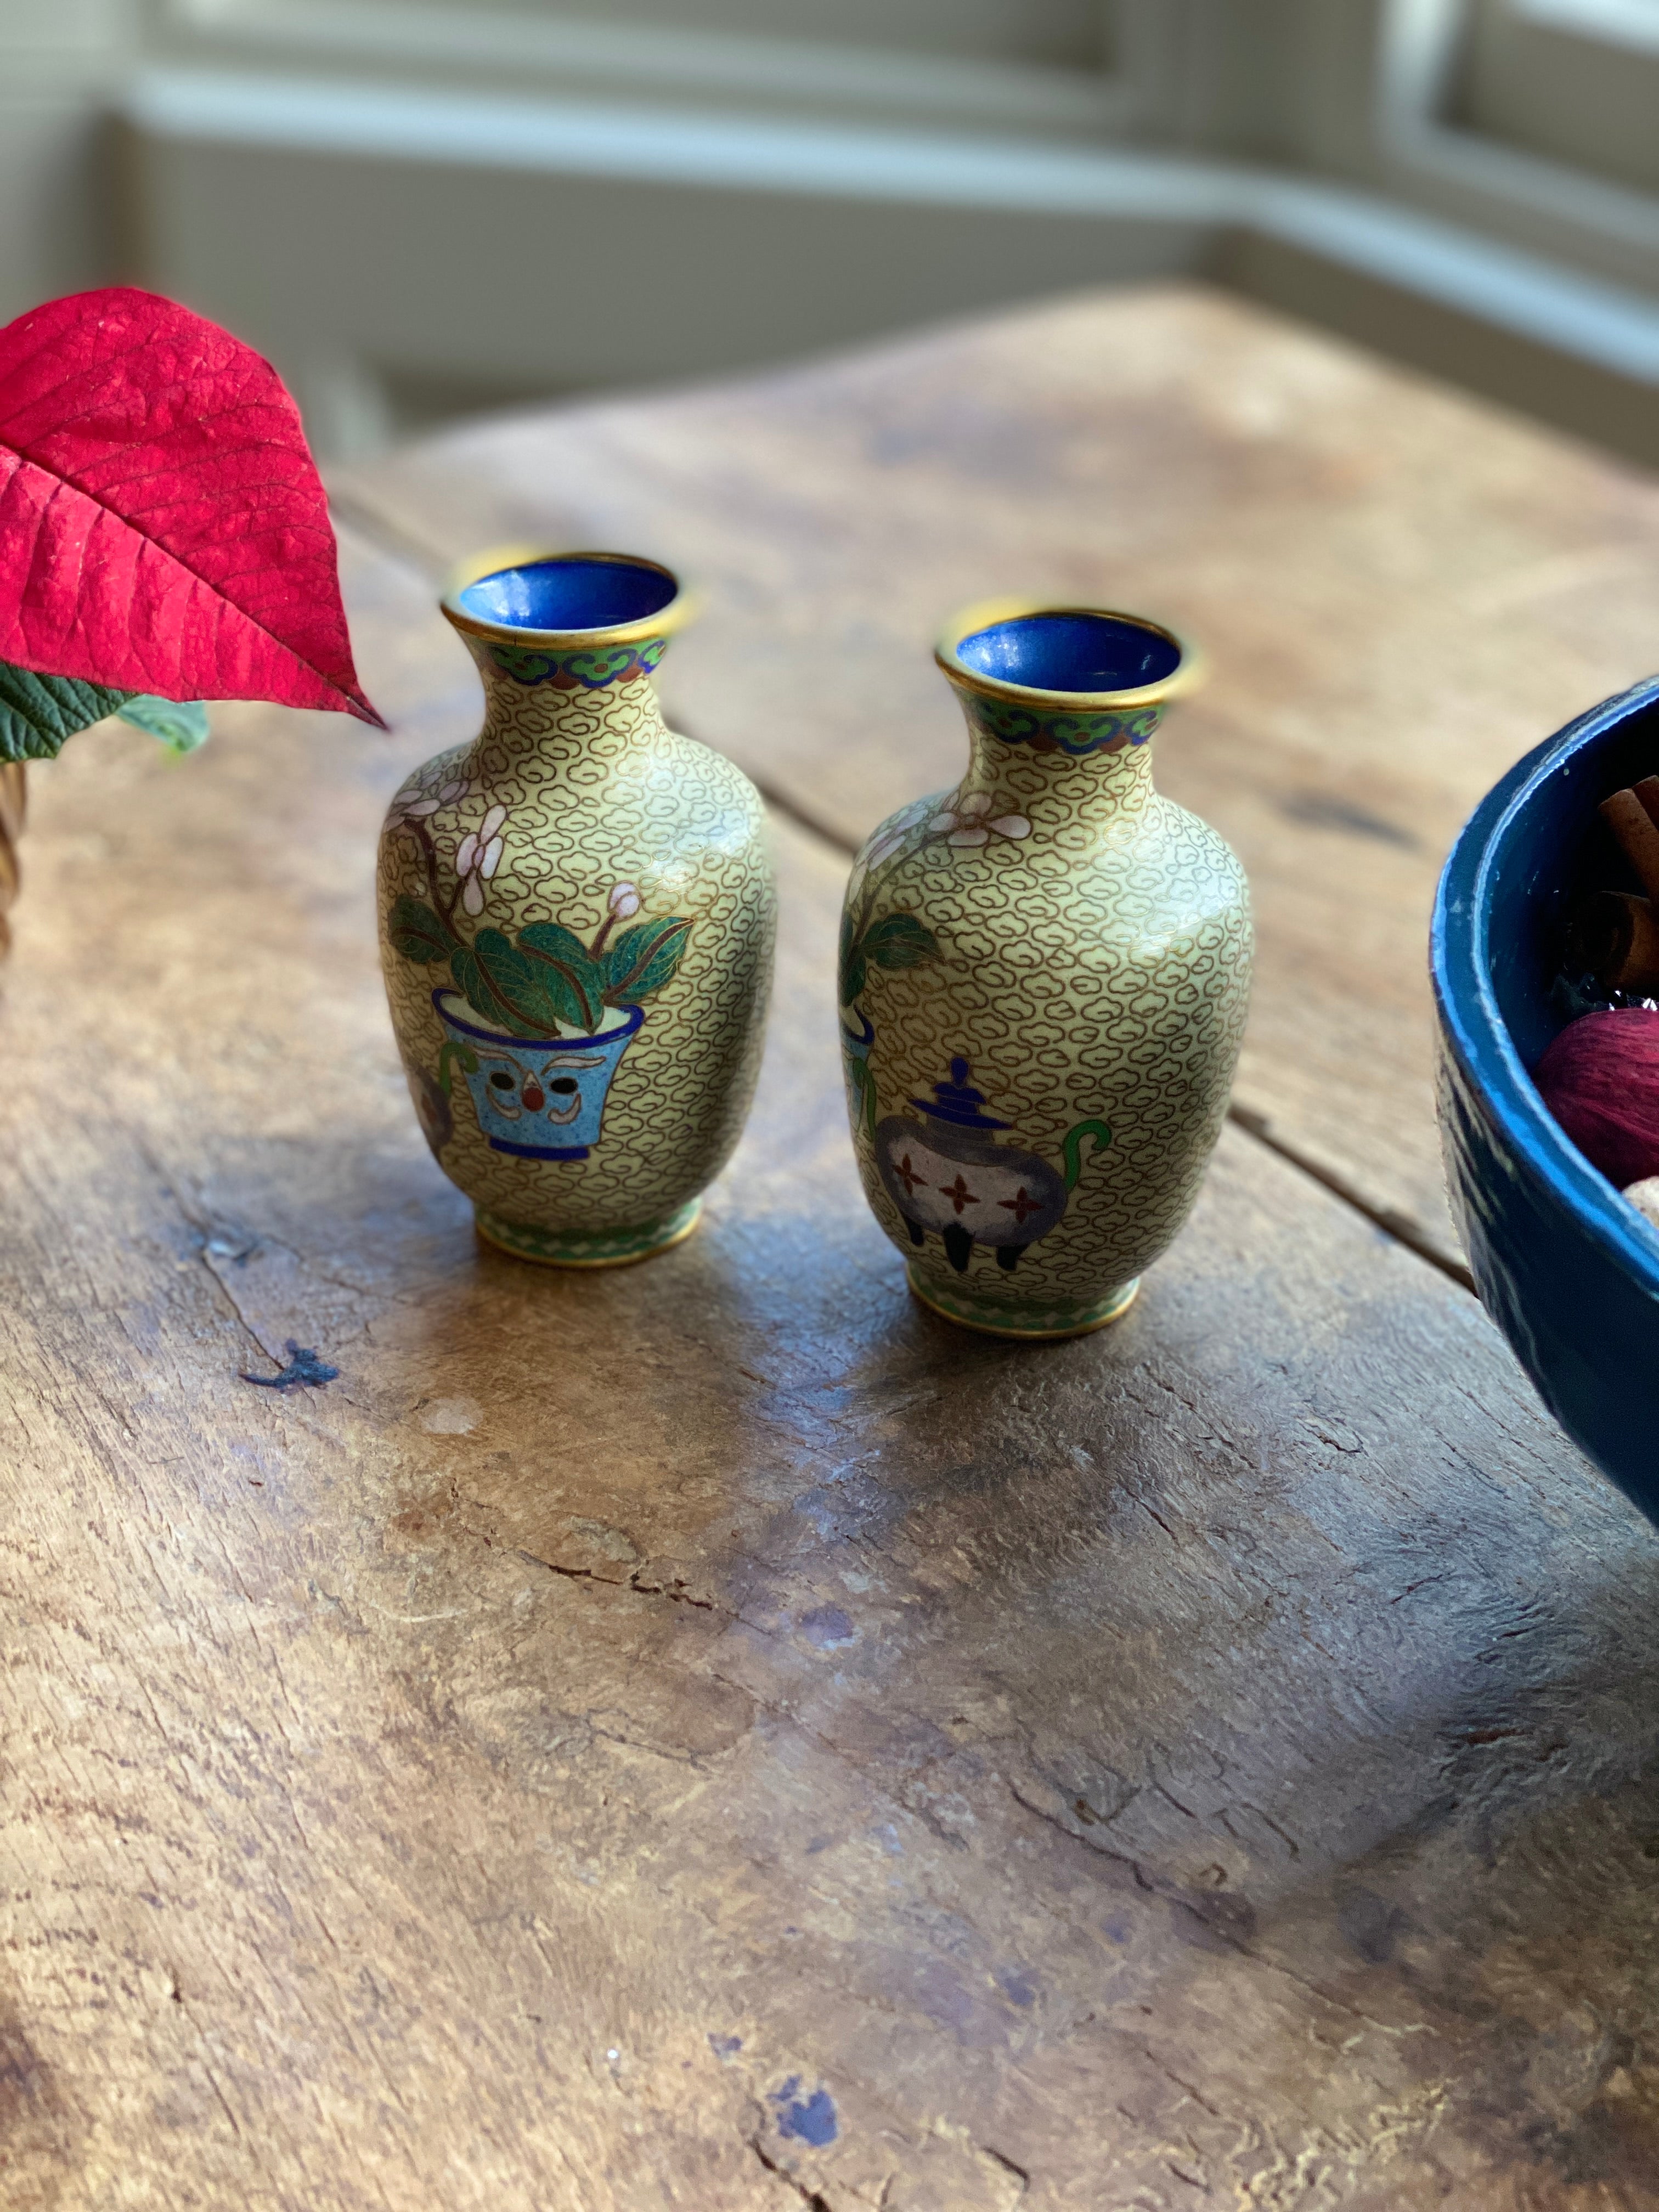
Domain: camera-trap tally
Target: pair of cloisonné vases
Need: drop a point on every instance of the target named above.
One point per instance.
(1042, 971)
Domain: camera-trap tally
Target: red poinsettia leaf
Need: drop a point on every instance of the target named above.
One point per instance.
(162, 526)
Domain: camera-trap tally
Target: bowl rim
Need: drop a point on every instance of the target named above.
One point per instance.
(1471, 1023)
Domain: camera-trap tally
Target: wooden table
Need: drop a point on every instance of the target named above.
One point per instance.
(711, 1736)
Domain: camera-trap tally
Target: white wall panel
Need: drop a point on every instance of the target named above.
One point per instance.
(463, 199)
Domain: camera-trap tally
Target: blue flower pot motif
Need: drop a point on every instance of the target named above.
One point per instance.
(539, 1098)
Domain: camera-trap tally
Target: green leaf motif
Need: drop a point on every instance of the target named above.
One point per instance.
(643, 959)
(470, 982)
(862, 1077)
(573, 978)
(38, 713)
(852, 961)
(418, 933)
(181, 724)
(899, 941)
(529, 991)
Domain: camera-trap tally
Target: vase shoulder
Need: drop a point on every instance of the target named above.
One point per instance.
(1082, 897)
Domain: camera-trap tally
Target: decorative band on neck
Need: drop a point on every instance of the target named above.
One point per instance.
(1068, 680)
(588, 669)
(1071, 734)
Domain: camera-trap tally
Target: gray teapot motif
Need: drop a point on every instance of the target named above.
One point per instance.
(954, 1177)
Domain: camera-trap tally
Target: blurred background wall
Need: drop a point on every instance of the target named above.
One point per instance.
(419, 208)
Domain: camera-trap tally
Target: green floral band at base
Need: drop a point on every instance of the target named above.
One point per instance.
(1016, 1317)
(1061, 733)
(584, 669)
(577, 1248)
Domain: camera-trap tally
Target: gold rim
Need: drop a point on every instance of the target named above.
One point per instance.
(1025, 1335)
(673, 615)
(620, 1260)
(1186, 676)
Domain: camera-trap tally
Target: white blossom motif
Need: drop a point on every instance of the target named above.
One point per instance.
(414, 805)
(624, 900)
(897, 940)
(897, 832)
(963, 823)
(478, 857)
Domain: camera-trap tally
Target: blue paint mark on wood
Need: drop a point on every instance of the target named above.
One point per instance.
(303, 1366)
(827, 1625)
(810, 2119)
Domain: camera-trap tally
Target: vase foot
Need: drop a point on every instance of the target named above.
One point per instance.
(588, 1247)
(1030, 1324)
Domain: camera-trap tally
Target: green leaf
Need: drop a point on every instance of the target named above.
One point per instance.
(551, 940)
(418, 933)
(181, 724)
(643, 959)
(569, 971)
(38, 713)
(899, 941)
(534, 992)
(468, 979)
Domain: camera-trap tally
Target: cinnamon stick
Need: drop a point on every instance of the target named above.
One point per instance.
(1637, 833)
(1615, 938)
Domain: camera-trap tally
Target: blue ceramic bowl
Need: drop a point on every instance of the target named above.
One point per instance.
(1567, 1270)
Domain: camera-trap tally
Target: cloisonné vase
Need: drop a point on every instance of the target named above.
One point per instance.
(576, 923)
(1043, 978)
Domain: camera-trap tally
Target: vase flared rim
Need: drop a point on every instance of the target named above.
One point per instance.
(627, 1026)
(1187, 674)
(678, 608)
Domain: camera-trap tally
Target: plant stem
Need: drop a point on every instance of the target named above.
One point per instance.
(446, 912)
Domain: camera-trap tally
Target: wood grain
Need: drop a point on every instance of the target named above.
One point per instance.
(711, 1735)
(14, 799)
(1402, 589)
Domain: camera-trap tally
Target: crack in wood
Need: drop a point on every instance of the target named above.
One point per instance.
(1171, 1894)
(1401, 1226)
(812, 2198)
(1008, 2165)
(679, 1596)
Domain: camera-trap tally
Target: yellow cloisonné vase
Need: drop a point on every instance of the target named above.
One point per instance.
(1043, 978)
(576, 923)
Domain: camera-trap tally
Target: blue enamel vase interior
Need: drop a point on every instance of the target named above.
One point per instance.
(1565, 1267)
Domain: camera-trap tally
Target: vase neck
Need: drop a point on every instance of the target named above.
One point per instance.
(1021, 756)
(544, 711)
